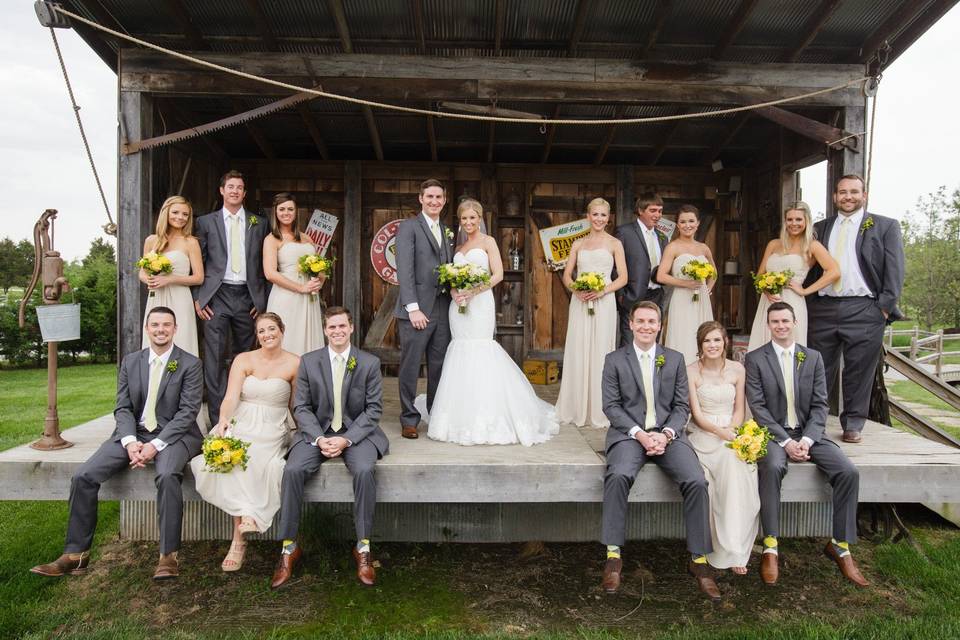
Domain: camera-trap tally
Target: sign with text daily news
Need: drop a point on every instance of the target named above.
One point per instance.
(556, 241)
(320, 230)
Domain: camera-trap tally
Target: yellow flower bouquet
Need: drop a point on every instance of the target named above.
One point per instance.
(750, 444)
(461, 276)
(222, 454)
(590, 281)
(698, 270)
(312, 265)
(772, 282)
(155, 263)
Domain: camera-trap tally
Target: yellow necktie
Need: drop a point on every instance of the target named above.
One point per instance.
(841, 249)
(150, 410)
(650, 421)
(337, 423)
(651, 248)
(436, 233)
(788, 384)
(236, 251)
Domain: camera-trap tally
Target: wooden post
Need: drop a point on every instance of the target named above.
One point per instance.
(939, 369)
(913, 347)
(846, 161)
(135, 182)
(625, 197)
(352, 233)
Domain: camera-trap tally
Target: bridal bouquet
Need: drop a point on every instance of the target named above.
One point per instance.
(462, 276)
(698, 270)
(772, 282)
(312, 265)
(221, 454)
(590, 281)
(751, 442)
(155, 263)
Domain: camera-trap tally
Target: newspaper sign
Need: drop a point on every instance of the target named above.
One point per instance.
(666, 226)
(320, 230)
(556, 241)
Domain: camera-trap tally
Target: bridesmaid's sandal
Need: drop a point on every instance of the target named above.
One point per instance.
(247, 525)
(740, 571)
(234, 559)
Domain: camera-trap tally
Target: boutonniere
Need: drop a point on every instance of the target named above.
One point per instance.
(800, 356)
(866, 224)
(447, 232)
(660, 361)
(253, 220)
(172, 366)
(352, 363)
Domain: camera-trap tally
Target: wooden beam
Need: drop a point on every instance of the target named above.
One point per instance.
(844, 161)
(919, 26)
(500, 19)
(733, 28)
(352, 237)
(190, 30)
(608, 138)
(255, 132)
(313, 129)
(551, 132)
(659, 19)
(714, 151)
(373, 131)
(340, 22)
(579, 22)
(417, 6)
(432, 138)
(263, 25)
(484, 110)
(811, 28)
(809, 128)
(663, 142)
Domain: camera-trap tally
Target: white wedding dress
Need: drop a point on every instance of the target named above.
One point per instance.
(483, 397)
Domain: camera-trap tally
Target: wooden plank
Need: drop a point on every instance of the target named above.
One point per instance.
(499, 13)
(921, 425)
(811, 28)
(922, 377)
(807, 127)
(417, 6)
(579, 22)
(383, 320)
(313, 129)
(733, 28)
(352, 231)
(373, 131)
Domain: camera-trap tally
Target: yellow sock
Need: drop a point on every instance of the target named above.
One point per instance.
(289, 546)
(700, 560)
(363, 545)
(770, 542)
(613, 551)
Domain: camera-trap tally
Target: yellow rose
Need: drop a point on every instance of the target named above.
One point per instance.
(755, 447)
(236, 457)
(216, 445)
(225, 457)
(315, 268)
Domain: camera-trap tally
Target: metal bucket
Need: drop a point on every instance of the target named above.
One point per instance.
(59, 322)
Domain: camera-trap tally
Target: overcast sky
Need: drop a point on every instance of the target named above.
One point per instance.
(43, 164)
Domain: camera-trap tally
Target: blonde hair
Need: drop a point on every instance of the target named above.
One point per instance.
(807, 238)
(163, 225)
(469, 204)
(598, 202)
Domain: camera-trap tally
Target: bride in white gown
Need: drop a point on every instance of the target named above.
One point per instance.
(483, 397)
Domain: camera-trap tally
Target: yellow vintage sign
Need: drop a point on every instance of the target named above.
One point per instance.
(556, 241)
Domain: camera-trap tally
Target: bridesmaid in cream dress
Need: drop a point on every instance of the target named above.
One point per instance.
(293, 297)
(174, 239)
(590, 337)
(258, 400)
(797, 251)
(717, 409)
(684, 314)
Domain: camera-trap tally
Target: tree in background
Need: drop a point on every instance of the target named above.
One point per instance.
(931, 237)
(16, 263)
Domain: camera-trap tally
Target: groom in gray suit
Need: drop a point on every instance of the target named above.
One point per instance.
(643, 247)
(158, 397)
(423, 244)
(787, 393)
(848, 317)
(234, 289)
(338, 402)
(645, 397)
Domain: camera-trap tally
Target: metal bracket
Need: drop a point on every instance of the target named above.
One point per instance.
(48, 15)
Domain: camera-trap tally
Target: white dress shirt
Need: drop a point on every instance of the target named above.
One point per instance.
(333, 357)
(651, 370)
(413, 306)
(229, 276)
(648, 235)
(789, 350)
(157, 443)
(853, 284)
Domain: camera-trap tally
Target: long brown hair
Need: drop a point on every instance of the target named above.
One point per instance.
(706, 328)
(163, 224)
(278, 200)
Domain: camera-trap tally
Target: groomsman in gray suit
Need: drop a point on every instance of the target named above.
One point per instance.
(848, 318)
(338, 402)
(787, 393)
(643, 247)
(423, 244)
(158, 397)
(645, 398)
(234, 289)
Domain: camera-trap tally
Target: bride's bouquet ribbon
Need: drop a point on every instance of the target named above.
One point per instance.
(590, 281)
(154, 263)
(750, 443)
(699, 270)
(462, 276)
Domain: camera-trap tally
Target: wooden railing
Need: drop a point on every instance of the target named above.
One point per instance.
(925, 346)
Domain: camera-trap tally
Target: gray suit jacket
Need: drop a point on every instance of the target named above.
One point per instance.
(212, 234)
(623, 400)
(362, 395)
(418, 257)
(767, 397)
(881, 258)
(638, 263)
(178, 398)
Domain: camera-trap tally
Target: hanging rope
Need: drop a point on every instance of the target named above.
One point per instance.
(881, 57)
(111, 227)
(446, 114)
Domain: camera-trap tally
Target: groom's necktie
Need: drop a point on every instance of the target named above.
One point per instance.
(651, 247)
(236, 251)
(650, 421)
(787, 363)
(337, 423)
(153, 387)
(840, 250)
(435, 227)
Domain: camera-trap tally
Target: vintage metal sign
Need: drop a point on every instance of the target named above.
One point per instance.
(383, 251)
(556, 241)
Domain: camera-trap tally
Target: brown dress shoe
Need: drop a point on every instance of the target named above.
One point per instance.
(167, 568)
(770, 568)
(64, 565)
(285, 567)
(847, 566)
(851, 436)
(611, 575)
(704, 575)
(408, 432)
(365, 571)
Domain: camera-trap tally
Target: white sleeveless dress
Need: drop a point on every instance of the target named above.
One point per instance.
(262, 419)
(301, 313)
(482, 396)
(684, 316)
(760, 334)
(732, 483)
(178, 298)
